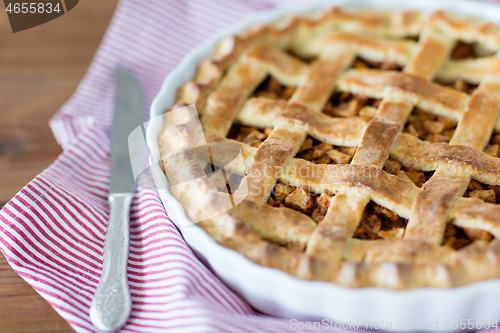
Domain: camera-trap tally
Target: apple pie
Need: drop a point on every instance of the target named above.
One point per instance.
(370, 146)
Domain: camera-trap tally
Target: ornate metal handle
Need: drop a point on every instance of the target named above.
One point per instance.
(111, 304)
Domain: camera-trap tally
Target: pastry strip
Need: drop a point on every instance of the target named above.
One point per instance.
(263, 112)
(224, 102)
(293, 229)
(470, 70)
(268, 161)
(320, 80)
(433, 48)
(410, 88)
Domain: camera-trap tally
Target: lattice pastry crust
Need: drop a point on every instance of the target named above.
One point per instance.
(285, 239)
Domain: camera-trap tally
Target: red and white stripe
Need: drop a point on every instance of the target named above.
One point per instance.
(52, 232)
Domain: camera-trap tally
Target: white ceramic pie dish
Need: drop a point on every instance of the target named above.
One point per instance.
(276, 293)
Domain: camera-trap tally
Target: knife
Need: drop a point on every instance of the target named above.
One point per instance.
(111, 305)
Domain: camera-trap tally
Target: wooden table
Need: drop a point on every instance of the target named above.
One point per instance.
(39, 70)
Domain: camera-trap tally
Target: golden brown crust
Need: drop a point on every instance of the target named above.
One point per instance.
(430, 210)
(374, 48)
(433, 48)
(428, 156)
(377, 140)
(474, 213)
(221, 89)
(329, 239)
(481, 112)
(399, 251)
(357, 178)
(268, 162)
(291, 228)
(320, 80)
(223, 103)
(262, 112)
(470, 70)
(406, 87)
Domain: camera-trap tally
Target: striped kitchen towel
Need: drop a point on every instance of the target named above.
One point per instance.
(52, 232)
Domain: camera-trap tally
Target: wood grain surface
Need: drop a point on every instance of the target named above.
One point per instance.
(39, 70)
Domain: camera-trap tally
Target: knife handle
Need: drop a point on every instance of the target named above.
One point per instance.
(111, 304)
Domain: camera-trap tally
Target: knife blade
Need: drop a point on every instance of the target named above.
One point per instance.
(111, 305)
